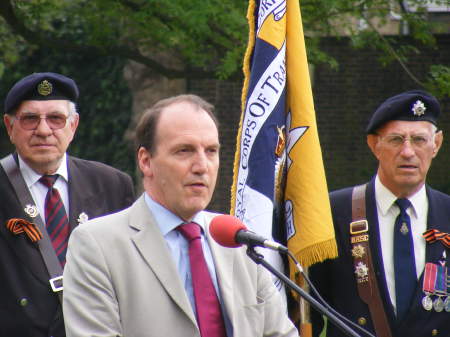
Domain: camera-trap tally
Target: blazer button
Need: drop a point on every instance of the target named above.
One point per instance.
(362, 321)
(23, 302)
(434, 332)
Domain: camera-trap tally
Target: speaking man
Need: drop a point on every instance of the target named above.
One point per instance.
(153, 269)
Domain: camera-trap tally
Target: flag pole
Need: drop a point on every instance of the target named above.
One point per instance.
(305, 327)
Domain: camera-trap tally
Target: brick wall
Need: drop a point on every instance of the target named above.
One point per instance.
(344, 100)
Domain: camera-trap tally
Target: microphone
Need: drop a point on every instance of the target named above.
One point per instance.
(229, 231)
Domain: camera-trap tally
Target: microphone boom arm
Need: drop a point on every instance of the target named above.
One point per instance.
(259, 259)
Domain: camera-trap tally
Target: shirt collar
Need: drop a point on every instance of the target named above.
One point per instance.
(168, 221)
(385, 198)
(31, 177)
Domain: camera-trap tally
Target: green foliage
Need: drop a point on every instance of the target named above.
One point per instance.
(438, 81)
(204, 38)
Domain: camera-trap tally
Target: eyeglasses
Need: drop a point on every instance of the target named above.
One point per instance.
(31, 121)
(417, 141)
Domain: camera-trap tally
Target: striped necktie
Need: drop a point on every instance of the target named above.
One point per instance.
(404, 260)
(56, 219)
(209, 314)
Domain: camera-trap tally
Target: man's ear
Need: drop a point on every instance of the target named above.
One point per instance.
(372, 142)
(438, 139)
(8, 123)
(144, 161)
(74, 120)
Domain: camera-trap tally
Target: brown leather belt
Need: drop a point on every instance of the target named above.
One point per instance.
(365, 275)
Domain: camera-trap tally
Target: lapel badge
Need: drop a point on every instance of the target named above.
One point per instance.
(82, 218)
(31, 210)
(418, 108)
(358, 251)
(361, 270)
(404, 229)
(45, 88)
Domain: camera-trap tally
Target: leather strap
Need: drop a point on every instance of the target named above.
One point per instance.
(45, 244)
(365, 276)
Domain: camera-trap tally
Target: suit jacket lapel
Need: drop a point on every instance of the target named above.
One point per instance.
(433, 251)
(79, 193)
(27, 252)
(151, 244)
(435, 220)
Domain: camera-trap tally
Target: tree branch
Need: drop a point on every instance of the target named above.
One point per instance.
(7, 12)
(392, 51)
(180, 25)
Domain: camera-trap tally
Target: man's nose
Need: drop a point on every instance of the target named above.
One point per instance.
(407, 148)
(200, 164)
(43, 128)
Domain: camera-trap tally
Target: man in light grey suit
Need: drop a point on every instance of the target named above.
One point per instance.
(131, 273)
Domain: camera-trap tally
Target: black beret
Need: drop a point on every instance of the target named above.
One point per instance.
(414, 105)
(41, 87)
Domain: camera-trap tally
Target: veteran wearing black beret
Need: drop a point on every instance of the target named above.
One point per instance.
(392, 232)
(45, 193)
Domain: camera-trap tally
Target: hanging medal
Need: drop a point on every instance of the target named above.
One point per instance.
(447, 300)
(440, 287)
(429, 280)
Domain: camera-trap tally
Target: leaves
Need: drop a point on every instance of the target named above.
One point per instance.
(438, 81)
(201, 38)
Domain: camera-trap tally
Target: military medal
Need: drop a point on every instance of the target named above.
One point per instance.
(447, 300)
(440, 286)
(447, 303)
(429, 280)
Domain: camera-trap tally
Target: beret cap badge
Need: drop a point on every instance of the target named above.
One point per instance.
(418, 108)
(45, 88)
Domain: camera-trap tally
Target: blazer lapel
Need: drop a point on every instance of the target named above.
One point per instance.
(27, 252)
(435, 220)
(79, 193)
(435, 250)
(152, 246)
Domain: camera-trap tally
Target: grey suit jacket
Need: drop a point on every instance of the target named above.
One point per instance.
(120, 280)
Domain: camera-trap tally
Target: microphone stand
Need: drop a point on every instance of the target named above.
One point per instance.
(259, 259)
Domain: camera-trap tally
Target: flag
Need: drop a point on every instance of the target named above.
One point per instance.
(279, 187)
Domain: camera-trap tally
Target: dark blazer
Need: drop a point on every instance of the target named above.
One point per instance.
(28, 307)
(336, 280)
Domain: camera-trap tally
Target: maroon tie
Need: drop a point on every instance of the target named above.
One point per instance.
(56, 219)
(209, 315)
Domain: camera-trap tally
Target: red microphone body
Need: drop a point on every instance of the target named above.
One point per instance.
(229, 231)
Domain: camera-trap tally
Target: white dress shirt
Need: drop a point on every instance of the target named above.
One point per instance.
(39, 191)
(387, 213)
